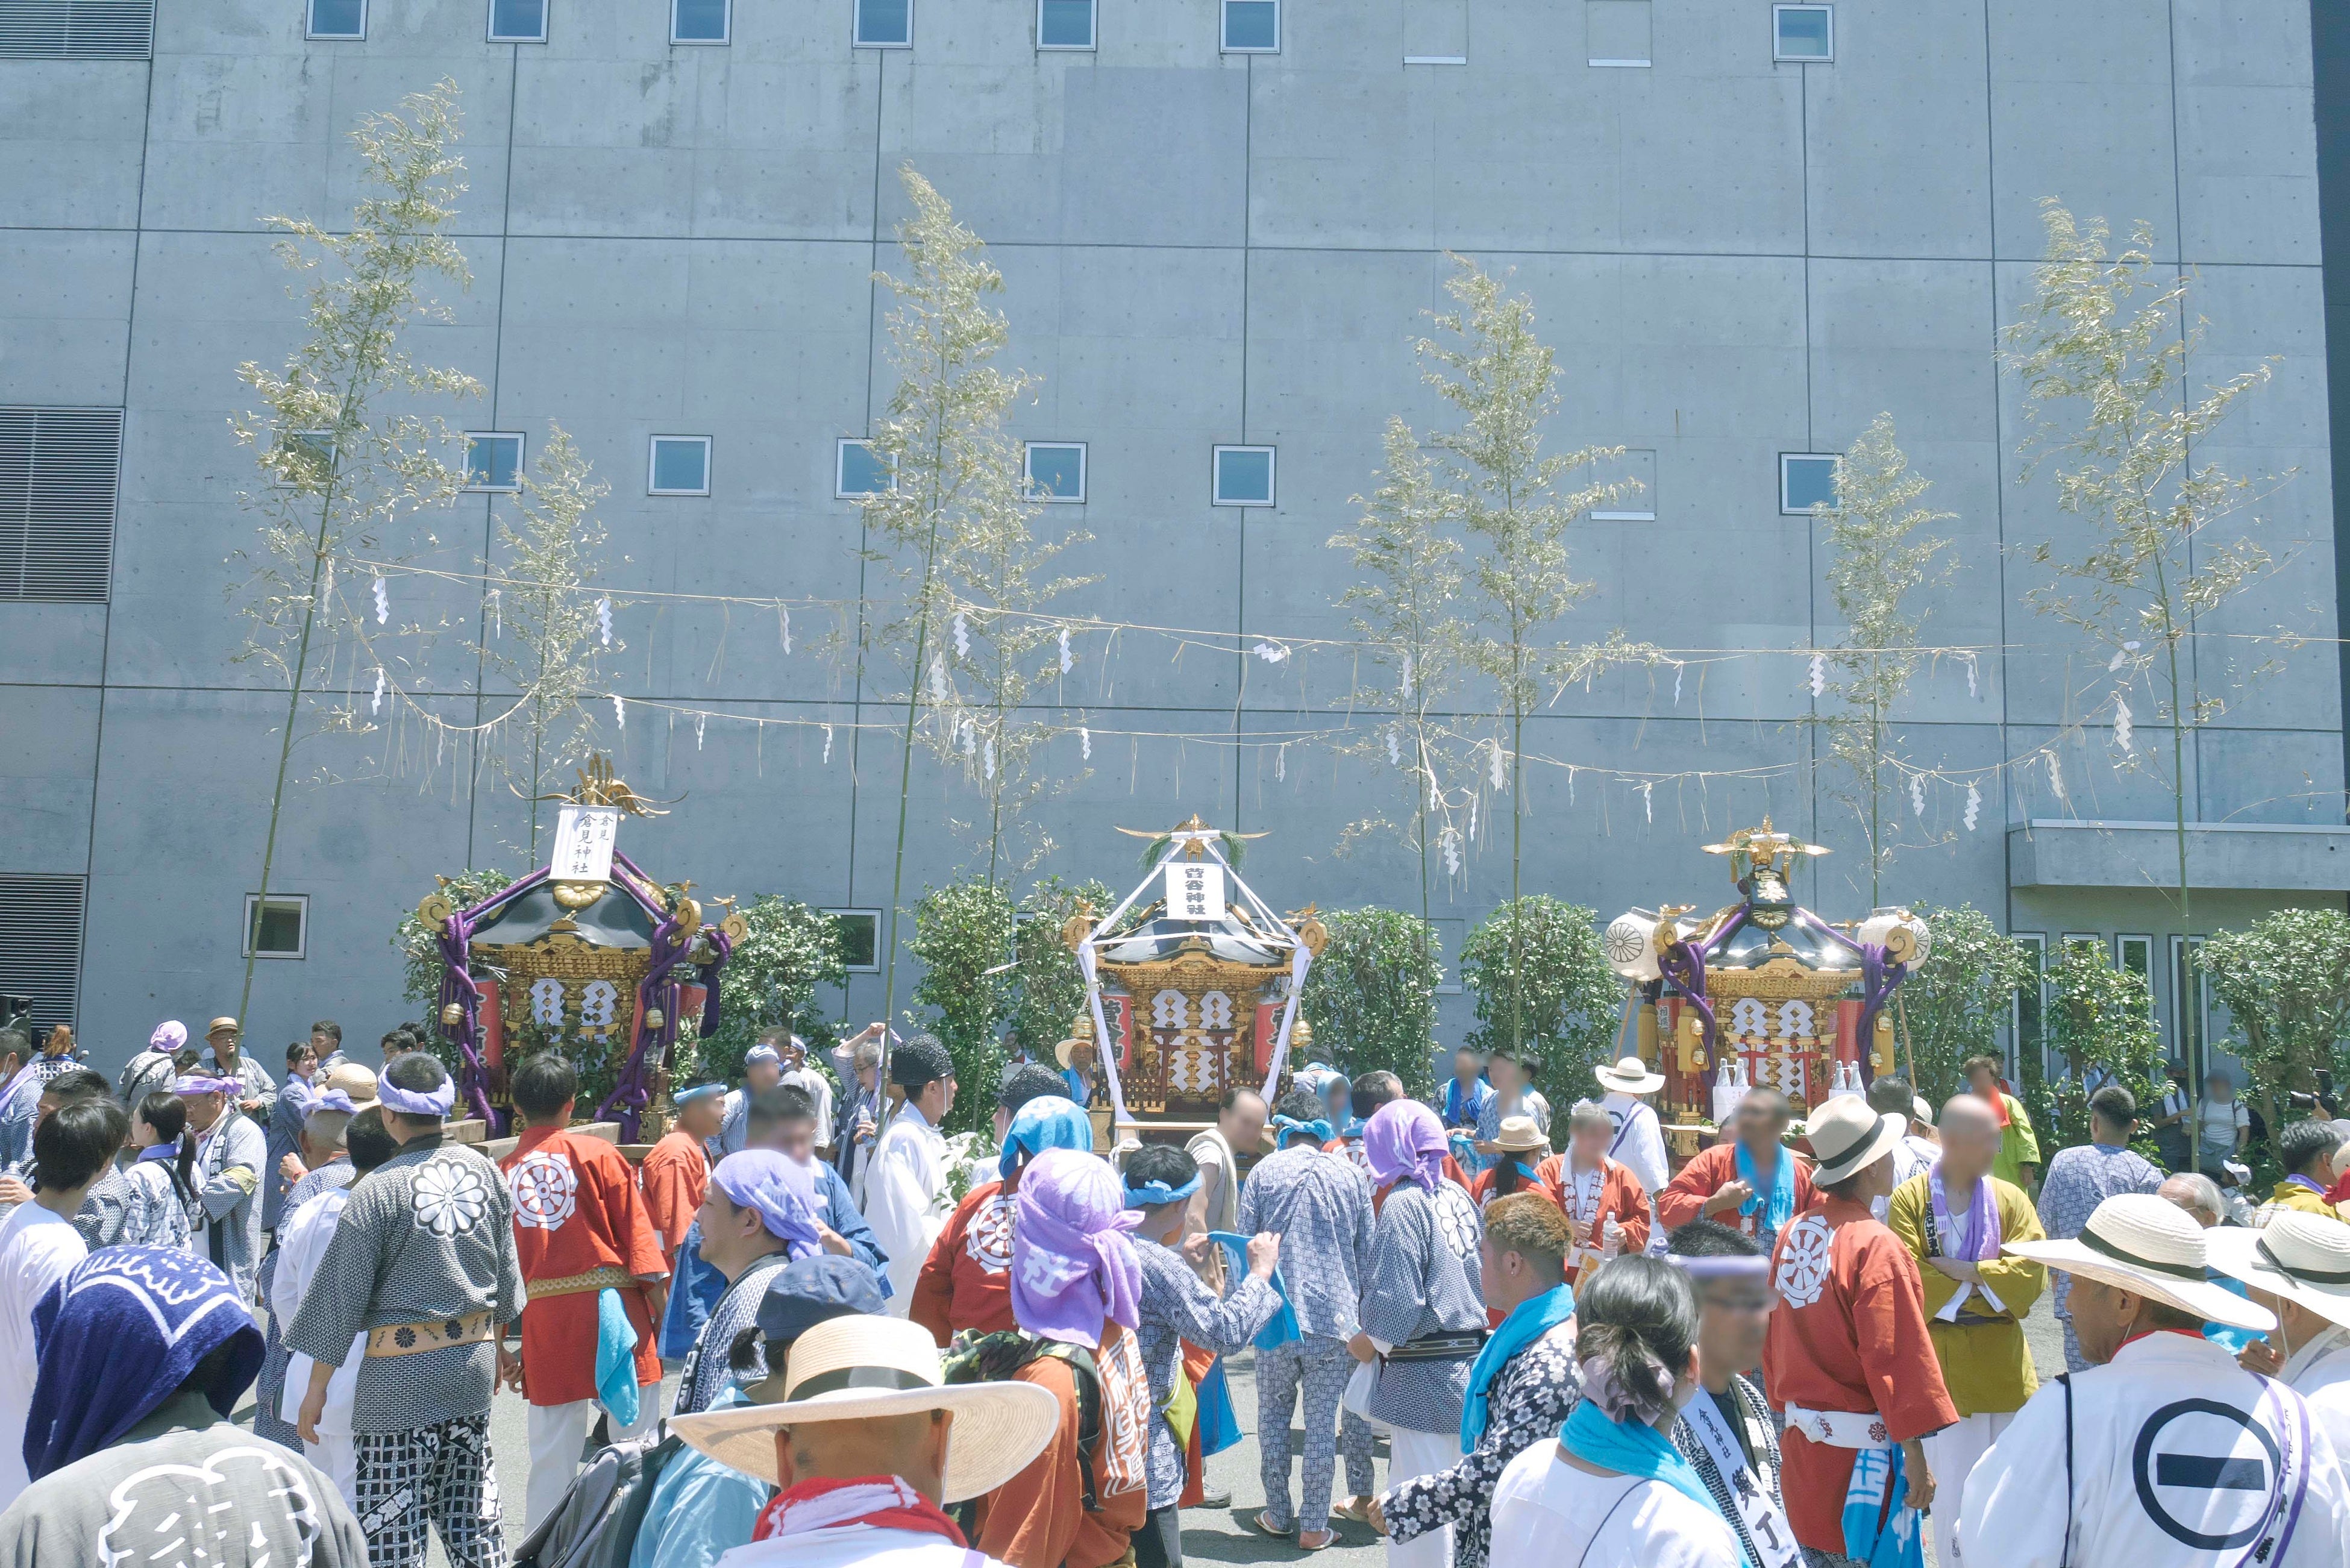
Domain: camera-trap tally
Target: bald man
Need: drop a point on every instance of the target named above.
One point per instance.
(1955, 1218)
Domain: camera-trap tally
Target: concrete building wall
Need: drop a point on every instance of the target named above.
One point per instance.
(1734, 259)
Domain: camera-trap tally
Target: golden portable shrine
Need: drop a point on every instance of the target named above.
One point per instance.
(1194, 979)
(1763, 992)
(586, 955)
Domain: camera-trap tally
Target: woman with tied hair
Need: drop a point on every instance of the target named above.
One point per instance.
(1423, 1306)
(1613, 1490)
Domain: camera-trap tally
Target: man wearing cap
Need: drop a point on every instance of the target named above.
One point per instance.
(2082, 1177)
(1849, 1357)
(1955, 1220)
(1639, 1141)
(762, 1068)
(2298, 1267)
(866, 1442)
(1604, 1202)
(966, 1282)
(755, 1217)
(1076, 1291)
(595, 1280)
(144, 1353)
(423, 1262)
(2165, 1450)
(1754, 1183)
(676, 1170)
(700, 1509)
(224, 1058)
(231, 1152)
(906, 1179)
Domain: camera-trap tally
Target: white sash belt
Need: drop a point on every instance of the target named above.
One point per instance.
(1840, 1428)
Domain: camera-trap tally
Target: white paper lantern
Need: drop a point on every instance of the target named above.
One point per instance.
(1631, 945)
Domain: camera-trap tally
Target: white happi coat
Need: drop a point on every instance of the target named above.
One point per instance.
(905, 1199)
(2173, 1448)
(2320, 1373)
(1639, 1142)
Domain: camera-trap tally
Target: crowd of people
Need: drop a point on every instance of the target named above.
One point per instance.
(802, 1329)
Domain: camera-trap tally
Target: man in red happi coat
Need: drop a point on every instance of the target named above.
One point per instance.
(1754, 1184)
(1848, 1356)
(966, 1281)
(581, 1234)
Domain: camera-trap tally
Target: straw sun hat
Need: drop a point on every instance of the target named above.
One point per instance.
(1847, 1138)
(2303, 1257)
(861, 1367)
(2138, 1242)
(1520, 1134)
(1629, 1076)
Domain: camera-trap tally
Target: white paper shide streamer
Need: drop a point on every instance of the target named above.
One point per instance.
(1495, 773)
(382, 602)
(1084, 744)
(1918, 795)
(619, 711)
(375, 703)
(1271, 653)
(1974, 805)
(961, 637)
(1067, 663)
(828, 745)
(1819, 674)
(2056, 776)
(2122, 728)
(604, 621)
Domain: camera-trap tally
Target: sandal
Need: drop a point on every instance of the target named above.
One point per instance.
(1315, 1539)
(1263, 1523)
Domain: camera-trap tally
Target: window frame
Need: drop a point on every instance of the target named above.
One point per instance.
(522, 449)
(253, 910)
(1787, 457)
(2037, 943)
(490, 26)
(840, 491)
(1224, 44)
(857, 27)
(1780, 57)
(1272, 475)
(309, 25)
(846, 914)
(1028, 471)
(652, 464)
(1093, 32)
(2143, 941)
(725, 37)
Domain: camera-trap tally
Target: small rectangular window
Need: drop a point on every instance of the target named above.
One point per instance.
(1634, 476)
(492, 461)
(1615, 32)
(338, 20)
(2030, 1022)
(2136, 954)
(517, 20)
(859, 471)
(681, 466)
(700, 21)
(1252, 26)
(860, 939)
(279, 928)
(1807, 479)
(884, 25)
(1064, 24)
(1243, 476)
(310, 458)
(1804, 32)
(1056, 471)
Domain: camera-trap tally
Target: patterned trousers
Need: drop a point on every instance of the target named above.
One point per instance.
(1355, 1448)
(438, 1475)
(1319, 1368)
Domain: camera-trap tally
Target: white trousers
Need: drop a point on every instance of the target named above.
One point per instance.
(1952, 1453)
(557, 1432)
(335, 1454)
(1411, 1454)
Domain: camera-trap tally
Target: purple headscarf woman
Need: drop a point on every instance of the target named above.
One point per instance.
(1073, 1265)
(1404, 1138)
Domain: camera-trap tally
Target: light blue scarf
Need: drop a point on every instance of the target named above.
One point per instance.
(1778, 1206)
(1632, 1448)
(616, 1358)
(1873, 1534)
(1528, 1322)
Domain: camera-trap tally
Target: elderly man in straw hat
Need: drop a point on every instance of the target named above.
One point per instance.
(866, 1443)
(1849, 1357)
(1754, 1184)
(1639, 1141)
(2299, 1268)
(2167, 1451)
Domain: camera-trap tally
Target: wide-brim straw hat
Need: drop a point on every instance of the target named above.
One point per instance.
(861, 1368)
(1629, 1076)
(2138, 1242)
(354, 1080)
(1522, 1135)
(2304, 1257)
(222, 1026)
(1847, 1138)
(1067, 1049)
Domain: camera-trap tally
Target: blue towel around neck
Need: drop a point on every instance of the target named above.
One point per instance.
(1632, 1448)
(1528, 1322)
(1780, 1205)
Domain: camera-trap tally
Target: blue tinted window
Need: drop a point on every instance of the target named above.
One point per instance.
(1244, 476)
(1803, 31)
(519, 21)
(1251, 24)
(338, 18)
(698, 21)
(1064, 24)
(1058, 470)
(863, 470)
(681, 465)
(885, 23)
(493, 462)
(1805, 482)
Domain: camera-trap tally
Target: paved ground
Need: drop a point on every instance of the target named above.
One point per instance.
(1209, 1536)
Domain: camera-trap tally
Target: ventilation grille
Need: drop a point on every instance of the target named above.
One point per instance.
(77, 29)
(40, 942)
(57, 474)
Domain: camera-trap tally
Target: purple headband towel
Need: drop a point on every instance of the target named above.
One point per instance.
(1073, 1264)
(1403, 1139)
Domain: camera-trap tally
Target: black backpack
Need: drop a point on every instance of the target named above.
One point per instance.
(596, 1524)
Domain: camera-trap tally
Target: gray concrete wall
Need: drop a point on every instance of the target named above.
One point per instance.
(1733, 258)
